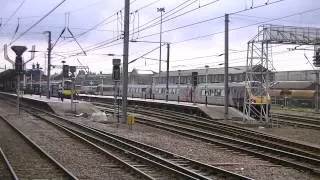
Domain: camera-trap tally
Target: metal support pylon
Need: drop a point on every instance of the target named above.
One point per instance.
(257, 72)
(259, 55)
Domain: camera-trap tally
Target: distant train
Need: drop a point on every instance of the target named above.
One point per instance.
(301, 94)
(255, 91)
(57, 86)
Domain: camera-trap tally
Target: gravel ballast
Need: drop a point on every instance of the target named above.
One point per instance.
(79, 158)
(207, 153)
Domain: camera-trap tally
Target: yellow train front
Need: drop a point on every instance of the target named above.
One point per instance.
(69, 88)
(259, 100)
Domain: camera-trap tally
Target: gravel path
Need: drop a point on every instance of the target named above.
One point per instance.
(79, 158)
(204, 152)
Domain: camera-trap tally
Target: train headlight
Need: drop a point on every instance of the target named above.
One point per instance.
(253, 101)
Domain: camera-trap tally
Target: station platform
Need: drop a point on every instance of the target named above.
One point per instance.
(211, 111)
(55, 104)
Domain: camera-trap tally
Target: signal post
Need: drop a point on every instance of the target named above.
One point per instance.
(116, 79)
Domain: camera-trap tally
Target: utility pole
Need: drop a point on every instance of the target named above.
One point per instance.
(161, 10)
(49, 64)
(179, 76)
(206, 88)
(125, 58)
(167, 83)
(317, 90)
(226, 64)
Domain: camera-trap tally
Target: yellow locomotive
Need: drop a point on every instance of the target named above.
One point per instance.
(67, 88)
(259, 100)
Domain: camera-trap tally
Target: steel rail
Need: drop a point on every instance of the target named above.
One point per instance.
(95, 141)
(170, 159)
(8, 165)
(294, 159)
(39, 149)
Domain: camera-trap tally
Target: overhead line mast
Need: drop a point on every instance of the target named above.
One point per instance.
(125, 58)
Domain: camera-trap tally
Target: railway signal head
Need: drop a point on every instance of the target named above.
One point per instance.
(19, 65)
(73, 69)
(65, 71)
(19, 50)
(116, 69)
(194, 79)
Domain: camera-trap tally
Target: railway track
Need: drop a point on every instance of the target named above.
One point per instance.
(6, 169)
(24, 159)
(228, 129)
(110, 161)
(297, 121)
(138, 154)
(274, 152)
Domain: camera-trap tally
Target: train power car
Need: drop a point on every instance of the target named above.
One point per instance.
(259, 99)
(254, 91)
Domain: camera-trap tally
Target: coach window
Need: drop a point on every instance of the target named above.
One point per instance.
(221, 92)
(182, 79)
(203, 92)
(211, 92)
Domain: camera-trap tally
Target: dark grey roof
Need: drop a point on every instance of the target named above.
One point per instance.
(293, 85)
(232, 70)
(7, 73)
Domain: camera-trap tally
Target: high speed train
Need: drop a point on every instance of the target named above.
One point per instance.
(254, 91)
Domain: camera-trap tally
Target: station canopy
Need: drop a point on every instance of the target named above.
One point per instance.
(7, 74)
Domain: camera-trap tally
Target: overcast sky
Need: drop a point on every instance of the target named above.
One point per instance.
(84, 15)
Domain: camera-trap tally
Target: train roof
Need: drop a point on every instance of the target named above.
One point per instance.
(232, 84)
(302, 85)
